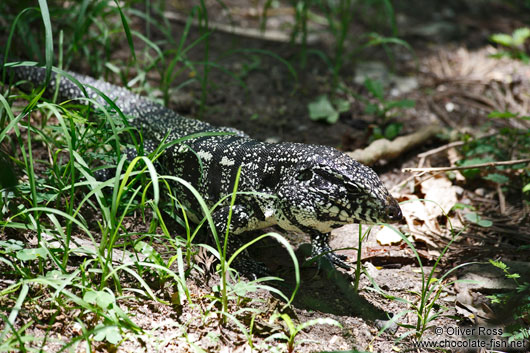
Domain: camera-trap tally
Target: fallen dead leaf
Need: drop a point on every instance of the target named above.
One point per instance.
(387, 236)
(441, 191)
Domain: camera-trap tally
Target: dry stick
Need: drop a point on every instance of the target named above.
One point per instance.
(480, 165)
(440, 149)
(502, 199)
(450, 145)
(424, 155)
(442, 115)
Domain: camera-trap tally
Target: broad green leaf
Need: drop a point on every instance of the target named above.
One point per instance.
(109, 333)
(520, 35)
(375, 87)
(475, 218)
(503, 39)
(372, 109)
(31, 254)
(103, 299)
(321, 109)
(497, 178)
(144, 248)
(12, 245)
(342, 105)
(498, 264)
(393, 130)
(485, 223)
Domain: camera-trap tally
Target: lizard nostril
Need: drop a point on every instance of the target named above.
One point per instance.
(394, 212)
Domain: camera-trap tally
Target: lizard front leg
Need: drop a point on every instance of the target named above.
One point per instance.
(239, 222)
(320, 247)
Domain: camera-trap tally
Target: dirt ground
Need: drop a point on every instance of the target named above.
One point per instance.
(455, 83)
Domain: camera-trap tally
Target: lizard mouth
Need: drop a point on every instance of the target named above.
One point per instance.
(389, 213)
(393, 211)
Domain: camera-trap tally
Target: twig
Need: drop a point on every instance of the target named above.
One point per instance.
(502, 199)
(440, 149)
(480, 165)
(442, 115)
(426, 154)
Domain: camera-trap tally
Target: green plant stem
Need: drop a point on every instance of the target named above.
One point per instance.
(204, 82)
(224, 297)
(345, 20)
(358, 265)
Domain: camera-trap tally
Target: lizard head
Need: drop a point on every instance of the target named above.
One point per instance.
(326, 189)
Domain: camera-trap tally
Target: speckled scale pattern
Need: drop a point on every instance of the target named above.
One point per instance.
(302, 188)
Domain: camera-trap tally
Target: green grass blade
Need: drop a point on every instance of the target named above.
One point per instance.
(286, 245)
(16, 309)
(48, 39)
(126, 29)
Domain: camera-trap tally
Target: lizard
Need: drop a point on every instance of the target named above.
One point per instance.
(304, 188)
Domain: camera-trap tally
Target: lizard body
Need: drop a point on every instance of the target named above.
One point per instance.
(304, 188)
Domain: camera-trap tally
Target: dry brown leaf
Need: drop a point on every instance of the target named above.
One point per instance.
(441, 191)
(413, 211)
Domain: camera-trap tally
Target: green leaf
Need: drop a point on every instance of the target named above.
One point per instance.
(103, 299)
(485, 223)
(143, 248)
(403, 103)
(526, 188)
(502, 115)
(76, 117)
(321, 109)
(12, 245)
(241, 289)
(497, 178)
(109, 333)
(498, 264)
(32, 254)
(520, 35)
(343, 105)
(372, 109)
(375, 87)
(475, 218)
(471, 173)
(502, 39)
(461, 206)
(377, 133)
(393, 130)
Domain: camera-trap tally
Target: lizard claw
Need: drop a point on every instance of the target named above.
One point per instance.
(337, 260)
(321, 248)
(250, 268)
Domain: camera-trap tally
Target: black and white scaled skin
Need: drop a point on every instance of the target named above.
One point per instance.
(298, 187)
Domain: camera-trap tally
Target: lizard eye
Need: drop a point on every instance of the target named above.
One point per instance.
(353, 189)
(304, 175)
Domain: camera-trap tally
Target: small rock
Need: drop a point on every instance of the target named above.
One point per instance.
(371, 270)
(480, 191)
